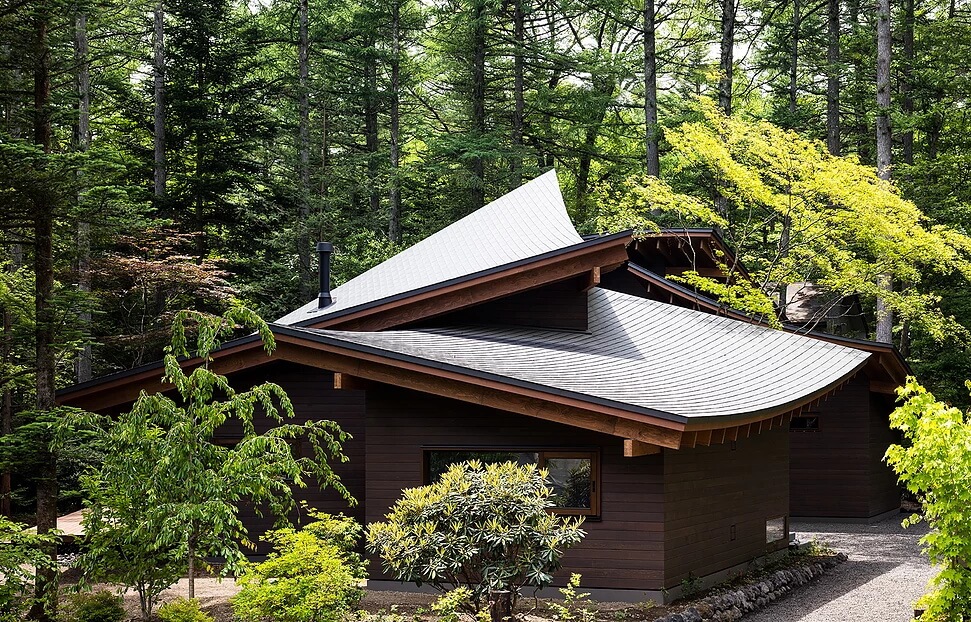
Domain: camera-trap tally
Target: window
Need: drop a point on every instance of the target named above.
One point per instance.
(573, 475)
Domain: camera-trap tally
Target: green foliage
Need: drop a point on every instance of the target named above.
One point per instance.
(167, 493)
(312, 575)
(183, 610)
(482, 527)
(100, 606)
(574, 606)
(20, 551)
(448, 606)
(935, 464)
(794, 213)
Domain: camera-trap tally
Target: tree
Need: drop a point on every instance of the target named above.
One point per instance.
(483, 527)
(21, 551)
(168, 494)
(847, 227)
(934, 463)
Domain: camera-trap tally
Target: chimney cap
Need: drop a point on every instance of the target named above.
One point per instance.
(325, 247)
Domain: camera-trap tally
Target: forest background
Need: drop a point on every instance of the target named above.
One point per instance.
(156, 156)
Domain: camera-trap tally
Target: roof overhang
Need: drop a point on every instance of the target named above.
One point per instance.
(603, 253)
(650, 428)
(887, 369)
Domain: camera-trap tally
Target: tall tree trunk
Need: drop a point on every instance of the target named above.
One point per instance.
(158, 71)
(794, 64)
(324, 148)
(884, 162)
(519, 100)
(833, 79)
(394, 192)
(371, 125)
(883, 89)
(6, 405)
(83, 143)
(477, 192)
(726, 56)
(45, 587)
(650, 92)
(906, 81)
(303, 71)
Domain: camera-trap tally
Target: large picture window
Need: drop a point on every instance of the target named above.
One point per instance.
(573, 475)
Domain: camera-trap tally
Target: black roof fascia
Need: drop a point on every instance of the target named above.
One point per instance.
(468, 277)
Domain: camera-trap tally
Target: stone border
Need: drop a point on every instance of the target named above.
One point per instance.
(731, 605)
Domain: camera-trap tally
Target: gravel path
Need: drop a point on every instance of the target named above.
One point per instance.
(883, 576)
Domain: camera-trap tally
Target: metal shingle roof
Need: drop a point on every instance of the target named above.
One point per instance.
(527, 222)
(640, 354)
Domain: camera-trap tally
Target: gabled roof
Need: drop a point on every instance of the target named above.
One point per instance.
(525, 224)
(638, 355)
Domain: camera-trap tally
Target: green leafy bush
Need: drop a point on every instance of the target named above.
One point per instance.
(935, 464)
(183, 610)
(20, 550)
(100, 606)
(483, 527)
(312, 575)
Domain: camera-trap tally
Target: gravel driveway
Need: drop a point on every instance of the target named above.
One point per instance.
(883, 576)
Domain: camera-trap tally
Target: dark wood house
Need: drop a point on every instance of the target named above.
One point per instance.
(508, 334)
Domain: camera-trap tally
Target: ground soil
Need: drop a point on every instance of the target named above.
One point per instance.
(214, 595)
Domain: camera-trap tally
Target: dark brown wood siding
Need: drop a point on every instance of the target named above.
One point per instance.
(711, 492)
(622, 550)
(830, 466)
(884, 492)
(314, 398)
(559, 305)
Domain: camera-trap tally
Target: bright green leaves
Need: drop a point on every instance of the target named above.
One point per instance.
(482, 527)
(20, 553)
(794, 213)
(934, 463)
(312, 575)
(167, 492)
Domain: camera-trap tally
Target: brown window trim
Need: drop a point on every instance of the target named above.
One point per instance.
(544, 453)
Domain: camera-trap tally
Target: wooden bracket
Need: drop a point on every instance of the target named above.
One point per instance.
(348, 382)
(634, 448)
(592, 279)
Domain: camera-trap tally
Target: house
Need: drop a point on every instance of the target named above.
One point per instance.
(664, 419)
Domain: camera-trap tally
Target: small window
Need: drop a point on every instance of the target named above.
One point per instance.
(804, 422)
(573, 475)
(775, 529)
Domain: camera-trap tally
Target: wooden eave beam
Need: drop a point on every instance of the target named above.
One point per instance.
(592, 279)
(715, 273)
(533, 403)
(886, 388)
(475, 291)
(634, 448)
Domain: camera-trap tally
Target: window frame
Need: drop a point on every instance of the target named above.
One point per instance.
(543, 454)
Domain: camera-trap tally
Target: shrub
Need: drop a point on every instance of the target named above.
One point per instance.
(484, 527)
(182, 610)
(935, 464)
(98, 607)
(20, 550)
(312, 575)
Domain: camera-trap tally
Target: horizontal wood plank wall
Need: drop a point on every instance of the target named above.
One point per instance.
(830, 467)
(707, 490)
(624, 550)
(314, 398)
(559, 305)
(884, 491)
